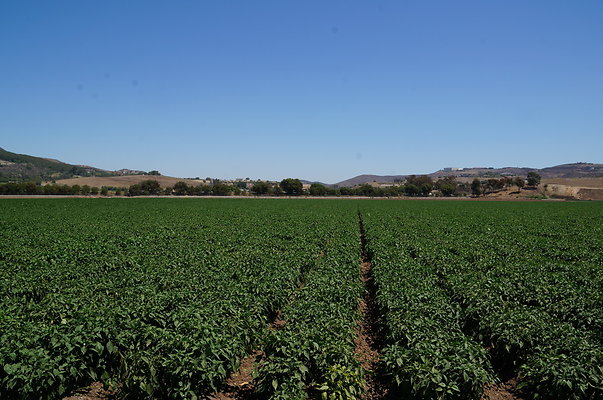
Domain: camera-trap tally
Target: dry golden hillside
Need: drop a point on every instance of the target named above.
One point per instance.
(127, 180)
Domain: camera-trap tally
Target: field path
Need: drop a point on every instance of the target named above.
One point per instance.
(370, 338)
(240, 384)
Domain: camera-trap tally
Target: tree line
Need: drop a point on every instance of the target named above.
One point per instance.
(492, 185)
(414, 186)
(34, 188)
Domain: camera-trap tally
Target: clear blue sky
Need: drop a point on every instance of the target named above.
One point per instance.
(320, 90)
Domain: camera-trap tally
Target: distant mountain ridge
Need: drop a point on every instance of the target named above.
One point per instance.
(16, 167)
(21, 167)
(574, 170)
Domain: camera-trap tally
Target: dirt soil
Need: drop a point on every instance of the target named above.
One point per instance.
(369, 340)
(240, 385)
(502, 391)
(278, 322)
(595, 183)
(95, 391)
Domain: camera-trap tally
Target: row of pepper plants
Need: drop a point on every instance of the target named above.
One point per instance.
(163, 298)
(157, 299)
(524, 281)
(313, 354)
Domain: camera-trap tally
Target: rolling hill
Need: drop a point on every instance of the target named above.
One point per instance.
(21, 167)
(568, 171)
(127, 180)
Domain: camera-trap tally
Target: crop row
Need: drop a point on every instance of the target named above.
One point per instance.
(520, 283)
(314, 351)
(162, 299)
(427, 354)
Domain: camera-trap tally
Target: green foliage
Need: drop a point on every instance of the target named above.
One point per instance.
(476, 187)
(342, 383)
(457, 278)
(260, 188)
(292, 186)
(181, 188)
(30, 168)
(317, 189)
(150, 186)
(411, 189)
(533, 178)
(221, 189)
(145, 188)
(163, 297)
(519, 182)
(315, 349)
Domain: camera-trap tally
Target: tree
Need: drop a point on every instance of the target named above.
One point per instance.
(134, 190)
(196, 190)
(411, 189)
(533, 178)
(180, 188)
(519, 182)
(393, 191)
(276, 190)
(260, 188)
(203, 189)
(85, 190)
(150, 186)
(345, 191)
(332, 191)
(292, 187)
(420, 180)
(506, 181)
(448, 189)
(221, 189)
(447, 185)
(154, 172)
(94, 190)
(104, 191)
(494, 184)
(66, 189)
(316, 189)
(365, 190)
(476, 187)
(426, 188)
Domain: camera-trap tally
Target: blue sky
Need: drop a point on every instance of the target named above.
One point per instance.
(320, 90)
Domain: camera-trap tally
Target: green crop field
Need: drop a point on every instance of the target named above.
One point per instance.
(163, 298)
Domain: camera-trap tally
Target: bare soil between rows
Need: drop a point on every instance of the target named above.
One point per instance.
(240, 384)
(369, 340)
(502, 391)
(95, 391)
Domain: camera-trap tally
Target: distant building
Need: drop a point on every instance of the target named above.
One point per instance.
(452, 169)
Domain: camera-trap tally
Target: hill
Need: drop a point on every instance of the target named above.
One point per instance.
(360, 179)
(21, 167)
(568, 171)
(127, 180)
